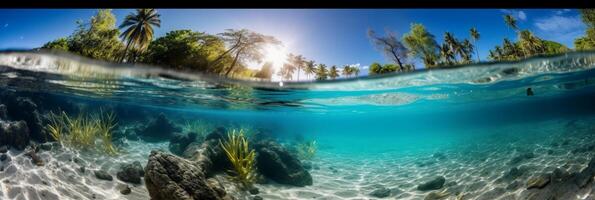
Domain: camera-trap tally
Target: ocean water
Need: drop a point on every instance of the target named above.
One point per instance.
(475, 126)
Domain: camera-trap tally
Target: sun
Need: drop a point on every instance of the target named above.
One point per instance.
(276, 55)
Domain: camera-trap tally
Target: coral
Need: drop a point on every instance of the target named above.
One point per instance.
(307, 150)
(241, 157)
(83, 131)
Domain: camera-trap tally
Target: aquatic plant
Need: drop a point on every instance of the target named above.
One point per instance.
(83, 131)
(241, 157)
(307, 150)
(198, 126)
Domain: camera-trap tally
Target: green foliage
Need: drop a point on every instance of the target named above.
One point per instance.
(139, 30)
(83, 131)
(186, 49)
(586, 42)
(421, 44)
(321, 72)
(333, 73)
(242, 158)
(307, 150)
(98, 39)
(58, 44)
(588, 17)
(552, 47)
(390, 46)
(377, 68)
(265, 72)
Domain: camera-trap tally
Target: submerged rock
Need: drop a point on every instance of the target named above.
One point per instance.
(35, 159)
(209, 155)
(437, 195)
(179, 142)
(276, 163)
(103, 175)
(14, 134)
(538, 182)
(522, 157)
(131, 173)
(170, 177)
(23, 108)
(434, 184)
(380, 192)
(158, 130)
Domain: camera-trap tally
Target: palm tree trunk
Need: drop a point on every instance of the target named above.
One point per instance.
(476, 50)
(125, 51)
(233, 64)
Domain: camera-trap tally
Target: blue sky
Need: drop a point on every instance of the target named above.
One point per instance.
(333, 37)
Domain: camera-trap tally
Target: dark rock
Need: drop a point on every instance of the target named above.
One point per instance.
(510, 71)
(276, 163)
(380, 192)
(3, 157)
(179, 142)
(82, 169)
(3, 149)
(307, 165)
(256, 198)
(529, 92)
(209, 155)
(158, 130)
(14, 134)
(22, 108)
(35, 159)
(103, 175)
(434, 184)
(131, 173)
(125, 190)
(3, 112)
(170, 177)
(538, 182)
(254, 190)
(586, 175)
(46, 146)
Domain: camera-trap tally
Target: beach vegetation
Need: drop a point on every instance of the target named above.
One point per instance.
(241, 157)
(138, 32)
(307, 150)
(422, 45)
(587, 41)
(83, 132)
(390, 46)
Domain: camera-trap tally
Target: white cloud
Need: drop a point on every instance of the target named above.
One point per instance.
(559, 12)
(563, 29)
(518, 14)
(559, 23)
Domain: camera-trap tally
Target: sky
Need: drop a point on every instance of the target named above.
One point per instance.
(334, 37)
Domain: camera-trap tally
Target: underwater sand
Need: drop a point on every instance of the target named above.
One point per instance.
(473, 169)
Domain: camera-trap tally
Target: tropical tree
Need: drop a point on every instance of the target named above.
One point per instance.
(58, 44)
(421, 44)
(186, 49)
(266, 71)
(390, 46)
(446, 54)
(310, 68)
(453, 45)
(347, 71)
(375, 68)
(299, 63)
(287, 71)
(467, 51)
(475, 36)
(588, 41)
(97, 39)
(333, 72)
(245, 45)
(511, 22)
(321, 72)
(138, 30)
(355, 70)
(530, 44)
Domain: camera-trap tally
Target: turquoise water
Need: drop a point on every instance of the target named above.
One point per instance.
(371, 132)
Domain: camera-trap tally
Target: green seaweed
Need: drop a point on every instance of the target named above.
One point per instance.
(242, 158)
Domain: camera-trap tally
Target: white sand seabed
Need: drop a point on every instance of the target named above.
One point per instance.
(474, 170)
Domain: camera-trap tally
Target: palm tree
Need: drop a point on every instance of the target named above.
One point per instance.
(287, 71)
(511, 22)
(453, 45)
(467, 49)
(298, 62)
(355, 71)
(139, 29)
(347, 71)
(510, 50)
(333, 73)
(530, 43)
(310, 68)
(446, 54)
(321, 72)
(475, 36)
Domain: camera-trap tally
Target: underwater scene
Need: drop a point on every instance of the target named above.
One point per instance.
(76, 128)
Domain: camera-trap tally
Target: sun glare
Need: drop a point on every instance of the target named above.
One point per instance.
(276, 55)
